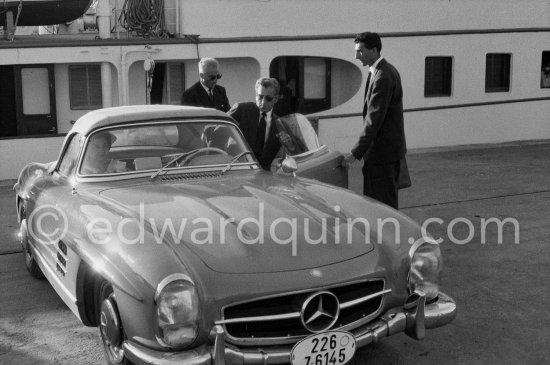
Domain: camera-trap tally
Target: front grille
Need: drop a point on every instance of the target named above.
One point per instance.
(278, 319)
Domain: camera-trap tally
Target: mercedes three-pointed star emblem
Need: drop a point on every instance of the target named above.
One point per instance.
(320, 311)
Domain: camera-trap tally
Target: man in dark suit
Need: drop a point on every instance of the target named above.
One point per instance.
(382, 142)
(205, 92)
(257, 122)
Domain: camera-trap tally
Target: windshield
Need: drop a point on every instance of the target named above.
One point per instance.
(153, 145)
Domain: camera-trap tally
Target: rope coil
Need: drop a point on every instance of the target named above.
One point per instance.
(145, 17)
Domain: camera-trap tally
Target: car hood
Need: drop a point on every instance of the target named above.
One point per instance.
(257, 223)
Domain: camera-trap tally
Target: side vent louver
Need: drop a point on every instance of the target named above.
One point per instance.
(61, 265)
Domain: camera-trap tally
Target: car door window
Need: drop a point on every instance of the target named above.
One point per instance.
(68, 161)
(301, 131)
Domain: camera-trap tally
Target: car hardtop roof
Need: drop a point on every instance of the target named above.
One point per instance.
(111, 116)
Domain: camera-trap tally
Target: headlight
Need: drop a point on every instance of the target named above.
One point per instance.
(426, 265)
(177, 311)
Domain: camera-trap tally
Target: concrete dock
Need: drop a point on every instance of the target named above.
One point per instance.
(501, 286)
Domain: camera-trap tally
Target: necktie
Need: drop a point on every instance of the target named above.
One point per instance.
(367, 87)
(260, 134)
(211, 95)
(366, 93)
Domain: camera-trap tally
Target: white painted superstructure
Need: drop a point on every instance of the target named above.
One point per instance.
(246, 36)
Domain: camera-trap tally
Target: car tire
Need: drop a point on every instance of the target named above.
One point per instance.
(32, 266)
(30, 262)
(109, 325)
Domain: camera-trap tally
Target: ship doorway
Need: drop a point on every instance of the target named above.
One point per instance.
(168, 83)
(35, 100)
(305, 84)
(8, 116)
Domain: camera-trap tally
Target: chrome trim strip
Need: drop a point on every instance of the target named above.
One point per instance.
(351, 303)
(274, 317)
(170, 278)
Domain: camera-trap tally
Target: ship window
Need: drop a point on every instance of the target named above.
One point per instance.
(545, 70)
(36, 88)
(438, 76)
(497, 72)
(313, 84)
(85, 87)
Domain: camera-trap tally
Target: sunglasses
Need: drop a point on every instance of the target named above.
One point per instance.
(266, 97)
(214, 77)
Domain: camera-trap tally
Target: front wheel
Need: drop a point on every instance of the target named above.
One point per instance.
(110, 327)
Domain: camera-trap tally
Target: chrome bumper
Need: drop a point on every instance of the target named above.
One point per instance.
(413, 318)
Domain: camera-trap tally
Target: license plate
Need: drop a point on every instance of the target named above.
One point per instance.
(327, 348)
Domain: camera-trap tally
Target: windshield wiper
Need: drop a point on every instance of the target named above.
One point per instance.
(235, 159)
(169, 163)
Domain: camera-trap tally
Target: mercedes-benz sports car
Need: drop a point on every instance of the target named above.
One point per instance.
(157, 225)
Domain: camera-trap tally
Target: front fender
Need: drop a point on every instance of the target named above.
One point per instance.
(134, 271)
(22, 188)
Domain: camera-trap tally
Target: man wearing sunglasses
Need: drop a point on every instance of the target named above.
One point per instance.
(257, 122)
(206, 92)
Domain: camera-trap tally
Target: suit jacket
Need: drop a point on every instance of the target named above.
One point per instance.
(383, 138)
(247, 116)
(197, 96)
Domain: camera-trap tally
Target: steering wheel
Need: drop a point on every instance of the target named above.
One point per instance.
(201, 152)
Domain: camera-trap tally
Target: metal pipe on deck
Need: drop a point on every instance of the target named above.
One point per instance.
(106, 85)
(103, 13)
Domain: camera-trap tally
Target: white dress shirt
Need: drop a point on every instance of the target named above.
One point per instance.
(373, 67)
(207, 89)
